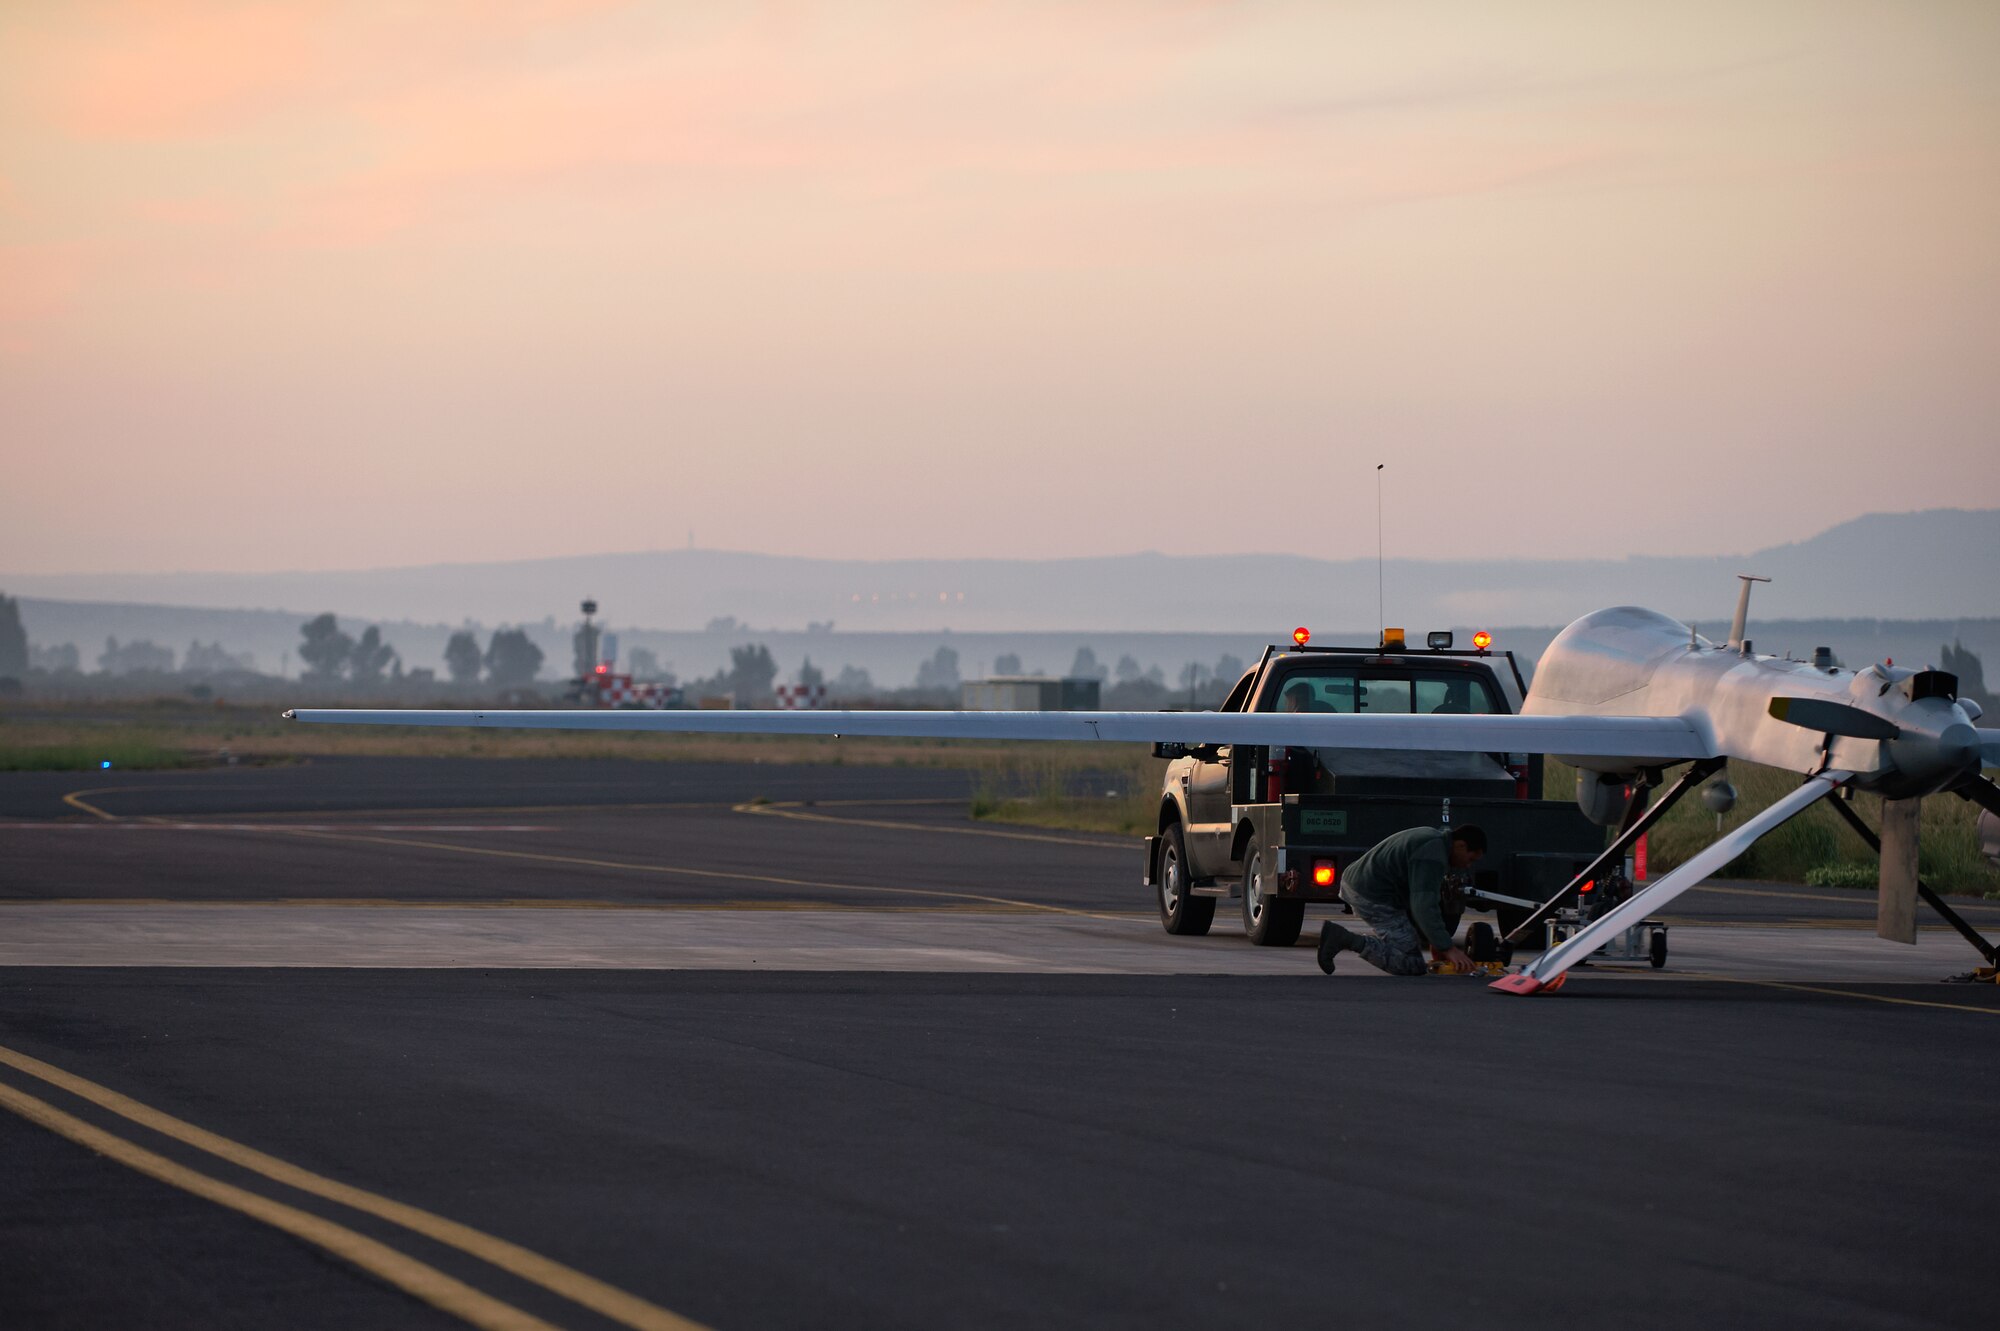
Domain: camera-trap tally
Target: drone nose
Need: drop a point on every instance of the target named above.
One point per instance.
(1959, 744)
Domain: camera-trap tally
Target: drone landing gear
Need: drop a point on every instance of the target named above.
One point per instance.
(1987, 974)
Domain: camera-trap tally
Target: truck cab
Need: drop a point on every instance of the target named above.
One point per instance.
(1274, 827)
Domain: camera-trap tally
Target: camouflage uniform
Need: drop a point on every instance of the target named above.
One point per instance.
(1398, 889)
(1395, 946)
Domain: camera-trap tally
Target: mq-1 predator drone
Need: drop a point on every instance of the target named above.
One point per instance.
(1622, 694)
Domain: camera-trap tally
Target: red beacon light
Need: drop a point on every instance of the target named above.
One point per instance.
(1301, 635)
(1482, 640)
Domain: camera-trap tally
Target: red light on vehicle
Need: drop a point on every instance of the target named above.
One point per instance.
(1302, 635)
(1323, 873)
(604, 670)
(1482, 640)
(1590, 886)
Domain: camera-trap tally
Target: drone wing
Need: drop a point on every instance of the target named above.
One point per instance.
(1661, 739)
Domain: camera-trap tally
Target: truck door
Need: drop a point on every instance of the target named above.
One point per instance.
(1209, 797)
(1208, 813)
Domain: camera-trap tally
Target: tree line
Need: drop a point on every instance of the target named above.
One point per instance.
(510, 660)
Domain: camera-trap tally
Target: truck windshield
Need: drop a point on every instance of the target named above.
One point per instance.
(1359, 691)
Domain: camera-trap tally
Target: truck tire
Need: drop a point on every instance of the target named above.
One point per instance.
(1268, 920)
(1181, 912)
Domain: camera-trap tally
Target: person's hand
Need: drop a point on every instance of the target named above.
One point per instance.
(1456, 958)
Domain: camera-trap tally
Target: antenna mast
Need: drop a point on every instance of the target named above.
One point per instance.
(1741, 623)
(1381, 614)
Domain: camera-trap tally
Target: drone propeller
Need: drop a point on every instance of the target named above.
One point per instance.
(1833, 718)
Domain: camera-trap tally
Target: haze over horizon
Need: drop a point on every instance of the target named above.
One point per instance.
(321, 286)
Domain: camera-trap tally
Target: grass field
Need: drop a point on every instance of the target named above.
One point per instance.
(177, 734)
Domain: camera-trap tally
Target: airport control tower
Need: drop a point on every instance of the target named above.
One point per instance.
(586, 642)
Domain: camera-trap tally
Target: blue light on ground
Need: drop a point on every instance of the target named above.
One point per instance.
(105, 763)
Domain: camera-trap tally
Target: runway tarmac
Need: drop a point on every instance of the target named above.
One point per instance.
(650, 1044)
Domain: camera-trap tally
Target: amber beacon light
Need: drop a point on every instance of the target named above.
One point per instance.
(1302, 635)
(1482, 640)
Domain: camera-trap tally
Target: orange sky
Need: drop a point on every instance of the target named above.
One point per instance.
(317, 285)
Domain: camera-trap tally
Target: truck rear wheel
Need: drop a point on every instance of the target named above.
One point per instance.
(1181, 912)
(1268, 920)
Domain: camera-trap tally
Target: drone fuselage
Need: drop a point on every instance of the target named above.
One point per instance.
(1628, 661)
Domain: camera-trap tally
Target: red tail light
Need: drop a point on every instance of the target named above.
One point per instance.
(1520, 772)
(1323, 873)
(1274, 783)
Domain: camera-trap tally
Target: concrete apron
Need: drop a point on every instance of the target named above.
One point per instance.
(810, 938)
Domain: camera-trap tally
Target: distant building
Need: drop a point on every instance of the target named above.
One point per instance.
(1028, 693)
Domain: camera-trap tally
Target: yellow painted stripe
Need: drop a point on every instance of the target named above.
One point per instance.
(379, 1260)
(75, 800)
(570, 1283)
(723, 875)
(1853, 993)
(1863, 899)
(795, 811)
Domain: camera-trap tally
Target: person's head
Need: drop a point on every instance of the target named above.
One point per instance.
(1467, 848)
(1297, 697)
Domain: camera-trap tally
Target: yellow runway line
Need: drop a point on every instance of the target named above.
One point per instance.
(75, 800)
(1846, 993)
(799, 812)
(1863, 899)
(589, 1292)
(377, 1259)
(724, 875)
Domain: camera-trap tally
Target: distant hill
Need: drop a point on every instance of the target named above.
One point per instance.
(1943, 564)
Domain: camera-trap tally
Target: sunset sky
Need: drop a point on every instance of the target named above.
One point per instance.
(324, 285)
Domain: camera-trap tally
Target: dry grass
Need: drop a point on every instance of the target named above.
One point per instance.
(1121, 794)
(1817, 844)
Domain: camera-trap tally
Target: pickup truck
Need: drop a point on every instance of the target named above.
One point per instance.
(1276, 827)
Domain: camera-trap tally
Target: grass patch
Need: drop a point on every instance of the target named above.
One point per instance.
(1841, 875)
(193, 733)
(123, 754)
(1083, 789)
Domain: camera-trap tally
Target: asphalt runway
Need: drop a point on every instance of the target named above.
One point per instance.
(423, 1043)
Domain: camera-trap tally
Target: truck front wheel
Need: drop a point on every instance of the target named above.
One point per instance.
(1268, 920)
(1181, 912)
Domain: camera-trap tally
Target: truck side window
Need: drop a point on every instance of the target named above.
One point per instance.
(1317, 693)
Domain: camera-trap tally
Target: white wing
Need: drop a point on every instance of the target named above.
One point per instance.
(1664, 739)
